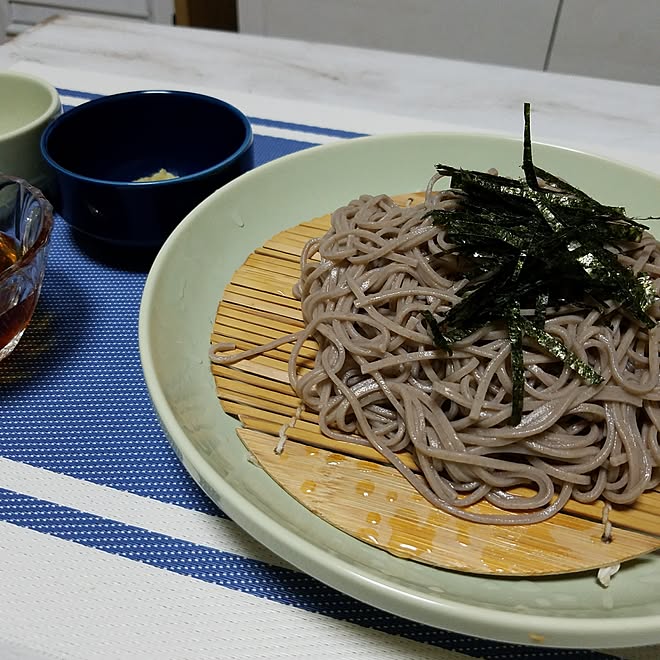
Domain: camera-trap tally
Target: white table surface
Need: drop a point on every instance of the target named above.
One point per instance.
(392, 91)
(615, 119)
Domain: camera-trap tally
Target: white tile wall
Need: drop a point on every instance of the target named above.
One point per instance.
(4, 20)
(617, 39)
(21, 14)
(513, 32)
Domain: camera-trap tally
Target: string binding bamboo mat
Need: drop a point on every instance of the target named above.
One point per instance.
(350, 486)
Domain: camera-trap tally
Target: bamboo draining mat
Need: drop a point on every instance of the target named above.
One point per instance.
(349, 485)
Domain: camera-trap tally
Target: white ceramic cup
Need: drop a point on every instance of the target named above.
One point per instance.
(27, 105)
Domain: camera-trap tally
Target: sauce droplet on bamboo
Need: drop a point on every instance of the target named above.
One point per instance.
(373, 518)
(365, 488)
(335, 459)
(410, 536)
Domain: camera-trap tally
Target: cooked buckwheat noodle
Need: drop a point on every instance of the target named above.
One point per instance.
(379, 380)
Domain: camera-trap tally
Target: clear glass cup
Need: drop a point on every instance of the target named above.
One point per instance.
(26, 222)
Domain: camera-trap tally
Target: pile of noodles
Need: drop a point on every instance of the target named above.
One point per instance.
(379, 380)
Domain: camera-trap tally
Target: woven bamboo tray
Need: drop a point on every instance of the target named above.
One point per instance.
(349, 486)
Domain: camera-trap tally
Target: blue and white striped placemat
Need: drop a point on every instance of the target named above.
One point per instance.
(108, 547)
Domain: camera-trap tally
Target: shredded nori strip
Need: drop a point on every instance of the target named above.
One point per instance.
(515, 330)
(534, 243)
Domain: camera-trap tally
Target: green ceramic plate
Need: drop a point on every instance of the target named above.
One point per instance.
(178, 308)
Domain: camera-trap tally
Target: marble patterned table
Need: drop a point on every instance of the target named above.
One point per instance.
(616, 119)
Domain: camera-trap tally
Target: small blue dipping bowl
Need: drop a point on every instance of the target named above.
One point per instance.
(100, 148)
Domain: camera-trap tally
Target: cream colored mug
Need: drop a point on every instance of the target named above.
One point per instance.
(27, 105)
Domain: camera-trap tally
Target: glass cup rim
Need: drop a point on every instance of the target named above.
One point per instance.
(44, 231)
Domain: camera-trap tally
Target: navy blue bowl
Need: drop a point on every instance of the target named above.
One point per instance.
(100, 148)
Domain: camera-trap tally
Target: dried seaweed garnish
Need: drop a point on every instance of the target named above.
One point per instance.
(534, 243)
(515, 330)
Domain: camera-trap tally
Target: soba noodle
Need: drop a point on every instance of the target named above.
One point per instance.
(379, 380)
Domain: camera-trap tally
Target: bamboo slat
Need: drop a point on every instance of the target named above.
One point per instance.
(349, 485)
(377, 505)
